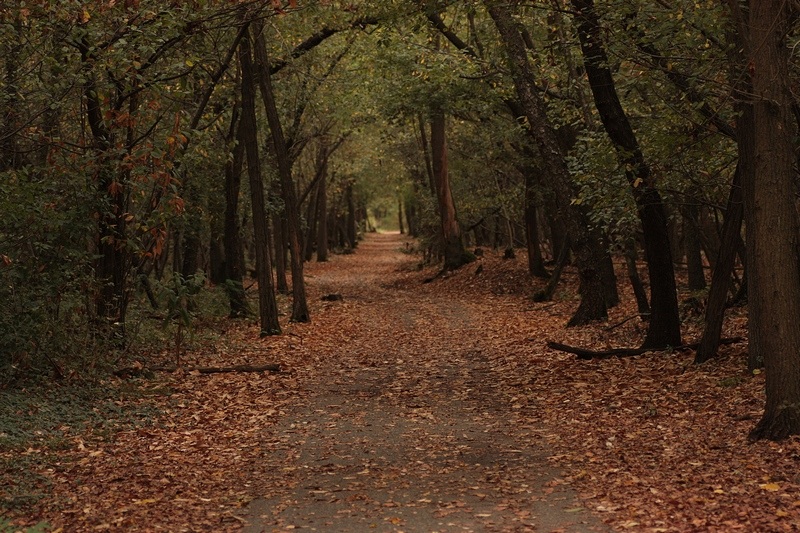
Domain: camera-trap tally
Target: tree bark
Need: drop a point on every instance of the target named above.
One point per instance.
(268, 308)
(592, 305)
(351, 231)
(299, 304)
(691, 244)
(772, 221)
(279, 242)
(535, 261)
(311, 221)
(322, 212)
(665, 325)
(454, 252)
(426, 154)
(232, 233)
(721, 275)
(642, 305)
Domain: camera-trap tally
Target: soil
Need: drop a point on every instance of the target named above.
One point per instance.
(421, 402)
(410, 426)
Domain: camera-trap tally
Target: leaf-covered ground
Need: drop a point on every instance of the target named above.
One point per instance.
(411, 406)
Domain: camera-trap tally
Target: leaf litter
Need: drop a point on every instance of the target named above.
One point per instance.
(648, 443)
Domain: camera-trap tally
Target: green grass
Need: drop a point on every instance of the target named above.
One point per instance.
(36, 424)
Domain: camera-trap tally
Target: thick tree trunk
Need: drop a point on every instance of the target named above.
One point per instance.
(665, 325)
(232, 236)
(454, 253)
(268, 308)
(299, 304)
(592, 306)
(772, 222)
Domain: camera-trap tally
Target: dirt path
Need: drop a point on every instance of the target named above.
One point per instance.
(407, 425)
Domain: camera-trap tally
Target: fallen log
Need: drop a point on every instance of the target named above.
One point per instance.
(137, 371)
(585, 354)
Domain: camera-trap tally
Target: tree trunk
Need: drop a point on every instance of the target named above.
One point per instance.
(322, 214)
(691, 243)
(299, 303)
(10, 156)
(279, 240)
(665, 325)
(454, 253)
(351, 231)
(772, 223)
(400, 214)
(535, 262)
(607, 274)
(232, 236)
(731, 231)
(642, 305)
(312, 219)
(592, 306)
(426, 154)
(268, 308)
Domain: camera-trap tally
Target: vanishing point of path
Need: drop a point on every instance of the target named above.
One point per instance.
(408, 423)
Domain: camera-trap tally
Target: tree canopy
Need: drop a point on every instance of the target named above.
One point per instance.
(582, 131)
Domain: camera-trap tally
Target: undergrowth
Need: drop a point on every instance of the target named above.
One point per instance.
(38, 423)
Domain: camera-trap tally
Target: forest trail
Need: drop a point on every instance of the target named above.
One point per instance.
(417, 407)
(409, 427)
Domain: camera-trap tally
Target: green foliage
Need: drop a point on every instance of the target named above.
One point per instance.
(179, 293)
(39, 422)
(8, 527)
(45, 270)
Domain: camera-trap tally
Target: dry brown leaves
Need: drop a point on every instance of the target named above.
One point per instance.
(652, 443)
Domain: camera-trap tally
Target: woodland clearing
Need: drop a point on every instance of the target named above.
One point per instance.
(411, 406)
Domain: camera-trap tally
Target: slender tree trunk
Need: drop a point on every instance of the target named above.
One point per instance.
(665, 325)
(268, 308)
(322, 214)
(351, 231)
(411, 218)
(312, 218)
(607, 274)
(279, 240)
(592, 305)
(731, 231)
(691, 243)
(111, 267)
(772, 221)
(10, 157)
(192, 224)
(426, 154)
(535, 262)
(731, 239)
(400, 214)
(642, 305)
(299, 304)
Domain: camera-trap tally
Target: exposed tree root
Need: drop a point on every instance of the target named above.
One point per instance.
(585, 354)
(137, 371)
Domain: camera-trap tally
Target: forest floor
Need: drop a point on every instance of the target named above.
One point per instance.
(411, 406)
